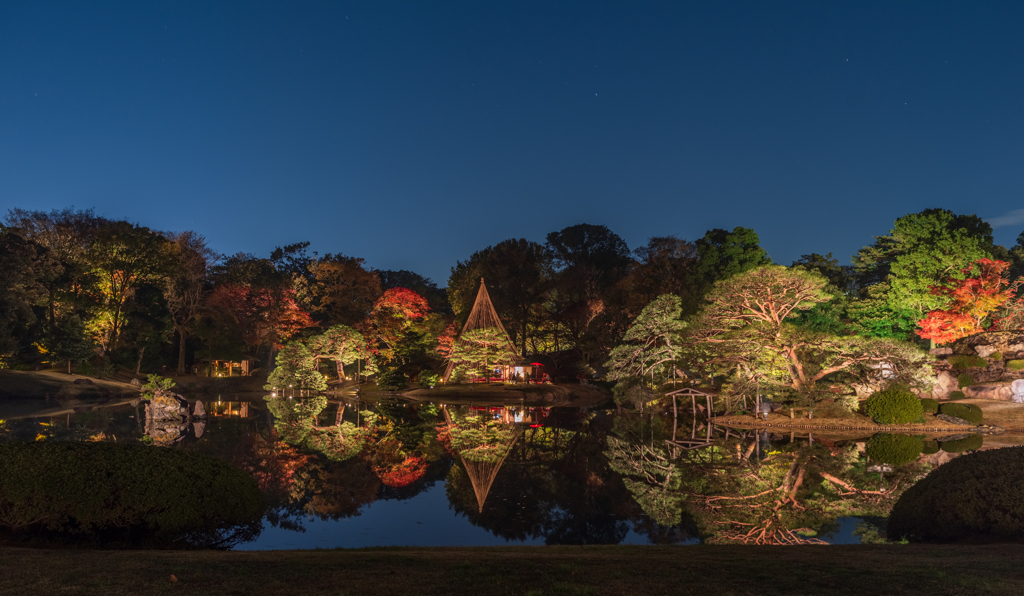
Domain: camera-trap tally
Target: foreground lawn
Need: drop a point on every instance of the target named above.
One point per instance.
(648, 571)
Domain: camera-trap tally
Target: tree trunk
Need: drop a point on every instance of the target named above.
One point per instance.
(341, 369)
(181, 352)
(138, 364)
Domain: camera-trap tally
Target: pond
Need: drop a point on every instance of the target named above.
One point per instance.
(358, 473)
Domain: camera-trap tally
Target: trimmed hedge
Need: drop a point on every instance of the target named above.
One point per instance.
(961, 362)
(966, 412)
(128, 496)
(954, 395)
(930, 447)
(895, 450)
(894, 406)
(1015, 364)
(964, 380)
(971, 443)
(929, 406)
(973, 498)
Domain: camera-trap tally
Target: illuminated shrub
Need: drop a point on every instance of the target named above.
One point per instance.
(111, 494)
(894, 406)
(427, 379)
(996, 356)
(971, 443)
(895, 450)
(961, 362)
(930, 447)
(955, 395)
(974, 498)
(929, 406)
(964, 380)
(1015, 365)
(966, 412)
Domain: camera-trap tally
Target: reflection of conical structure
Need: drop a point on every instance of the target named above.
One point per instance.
(482, 472)
(483, 316)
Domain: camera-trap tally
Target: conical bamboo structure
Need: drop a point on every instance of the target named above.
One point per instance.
(483, 316)
(482, 473)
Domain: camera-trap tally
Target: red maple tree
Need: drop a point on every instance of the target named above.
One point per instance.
(264, 315)
(972, 299)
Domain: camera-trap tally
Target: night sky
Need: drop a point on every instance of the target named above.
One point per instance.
(415, 133)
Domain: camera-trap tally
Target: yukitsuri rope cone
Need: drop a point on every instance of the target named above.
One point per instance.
(483, 316)
(483, 472)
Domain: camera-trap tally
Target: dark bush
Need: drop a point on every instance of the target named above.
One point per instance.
(966, 412)
(929, 406)
(971, 443)
(895, 450)
(392, 380)
(964, 380)
(974, 498)
(955, 395)
(894, 406)
(124, 496)
(930, 447)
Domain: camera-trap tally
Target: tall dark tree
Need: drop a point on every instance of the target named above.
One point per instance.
(186, 285)
(343, 291)
(518, 274)
(720, 255)
(24, 266)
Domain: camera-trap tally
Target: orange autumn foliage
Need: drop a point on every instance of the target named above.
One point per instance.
(971, 300)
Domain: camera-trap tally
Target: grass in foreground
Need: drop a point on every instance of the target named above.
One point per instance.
(537, 571)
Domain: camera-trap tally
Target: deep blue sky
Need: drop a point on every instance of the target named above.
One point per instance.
(414, 133)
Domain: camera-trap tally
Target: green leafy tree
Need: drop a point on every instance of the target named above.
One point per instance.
(342, 344)
(720, 255)
(922, 250)
(124, 257)
(480, 350)
(651, 345)
(296, 367)
(22, 264)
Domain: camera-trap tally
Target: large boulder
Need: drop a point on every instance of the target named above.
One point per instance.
(1017, 391)
(1000, 391)
(945, 383)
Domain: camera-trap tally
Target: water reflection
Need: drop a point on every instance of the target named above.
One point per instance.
(491, 475)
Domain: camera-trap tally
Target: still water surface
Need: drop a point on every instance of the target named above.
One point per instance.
(351, 473)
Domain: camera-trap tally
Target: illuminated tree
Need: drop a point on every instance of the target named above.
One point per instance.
(342, 344)
(392, 315)
(124, 256)
(977, 291)
(922, 250)
(651, 343)
(480, 350)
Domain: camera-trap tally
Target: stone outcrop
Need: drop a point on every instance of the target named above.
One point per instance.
(1000, 391)
(945, 383)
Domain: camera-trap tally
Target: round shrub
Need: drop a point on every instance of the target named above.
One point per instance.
(1015, 365)
(966, 412)
(895, 450)
(392, 380)
(930, 447)
(112, 494)
(973, 498)
(894, 406)
(428, 379)
(929, 406)
(996, 356)
(964, 380)
(971, 443)
(954, 395)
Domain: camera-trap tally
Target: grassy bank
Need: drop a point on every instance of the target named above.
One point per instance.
(764, 571)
